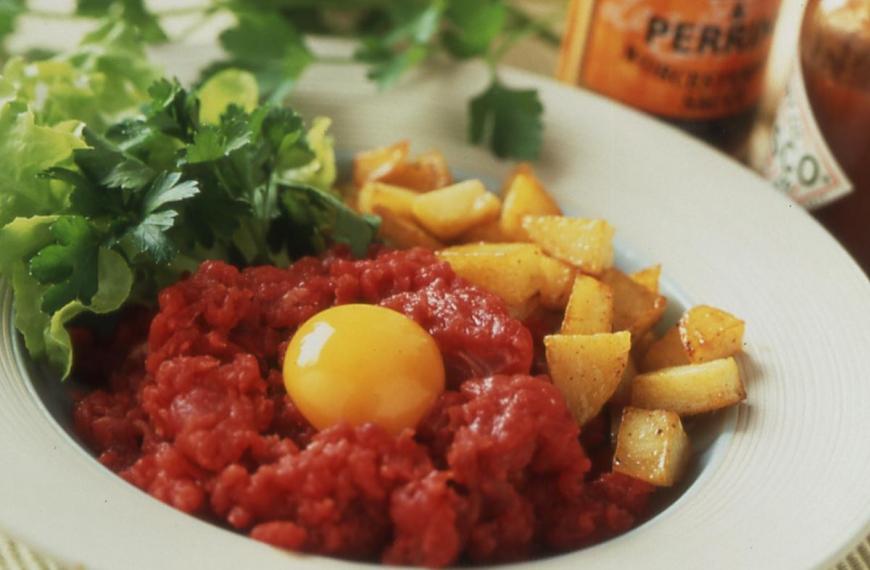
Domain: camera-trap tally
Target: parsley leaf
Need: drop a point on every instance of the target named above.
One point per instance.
(389, 56)
(509, 120)
(316, 218)
(168, 189)
(132, 11)
(69, 266)
(150, 235)
(268, 45)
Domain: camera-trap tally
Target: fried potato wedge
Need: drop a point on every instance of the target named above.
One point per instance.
(428, 171)
(622, 395)
(404, 233)
(590, 307)
(585, 244)
(665, 352)
(708, 333)
(635, 308)
(557, 279)
(652, 446)
(385, 197)
(524, 195)
(489, 232)
(690, 389)
(510, 270)
(587, 368)
(372, 165)
(450, 211)
(648, 277)
(703, 334)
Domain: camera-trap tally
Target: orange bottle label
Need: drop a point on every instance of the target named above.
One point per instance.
(682, 59)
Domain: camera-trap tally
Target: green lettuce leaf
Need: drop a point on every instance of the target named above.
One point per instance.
(115, 283)
(21, 239)
(26, 149)
(321, 172)
(228, 87)
(101, 81)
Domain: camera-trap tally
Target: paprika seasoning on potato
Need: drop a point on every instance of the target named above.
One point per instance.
(698, 64)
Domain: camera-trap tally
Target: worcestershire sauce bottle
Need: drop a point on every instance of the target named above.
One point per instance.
(698, 64)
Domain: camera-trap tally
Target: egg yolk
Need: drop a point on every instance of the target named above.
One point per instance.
(363, 363)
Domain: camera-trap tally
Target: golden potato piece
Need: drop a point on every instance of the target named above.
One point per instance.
(635, 308)
(557, 279)
(708, 333)
(374, 164)
(587, 368)
(510, 270)
(651, 446)
(622, 395)
(590, 307)
(703, 334)
(385, 197)
(640, 344)
(585, 244)
(429, 171)
(448, 212)
(404, 233)
(690, 389)
(524, 195)
(648, 277)
(488, 232)
(665, 352)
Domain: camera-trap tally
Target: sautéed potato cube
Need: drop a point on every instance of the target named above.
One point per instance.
(590, 307)
(385, 197)
(585, 244)
(404, 233)
(524, 195)
(372, 165)
(690, 389)
(652, 446)
(709, 333)
(488, 232)
(648, 277)
(635, 308)
(557, 278)
(510, 270)
(448, 212)
(429, 171)
(665, 352)
(587, 368)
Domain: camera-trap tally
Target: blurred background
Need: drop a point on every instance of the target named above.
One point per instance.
(791, 100)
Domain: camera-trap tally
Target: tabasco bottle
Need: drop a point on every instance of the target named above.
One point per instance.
(698, 64)
(820, 154)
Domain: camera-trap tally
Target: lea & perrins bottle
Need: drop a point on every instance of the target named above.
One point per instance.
(698, 64)
(820, 151)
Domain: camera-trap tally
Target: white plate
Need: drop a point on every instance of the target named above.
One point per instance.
(784, 484)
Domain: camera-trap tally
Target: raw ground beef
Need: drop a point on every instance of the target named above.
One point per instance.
(199, 418)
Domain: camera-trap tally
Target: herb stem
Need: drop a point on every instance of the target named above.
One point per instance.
(189, 10)
(540, 28)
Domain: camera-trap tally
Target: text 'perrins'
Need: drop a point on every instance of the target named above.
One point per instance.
(684, 36)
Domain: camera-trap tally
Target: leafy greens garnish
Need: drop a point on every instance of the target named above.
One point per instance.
(269, 38)
(94, 214)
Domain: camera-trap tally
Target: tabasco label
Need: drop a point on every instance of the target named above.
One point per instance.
(681, 59)
(800, 162)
